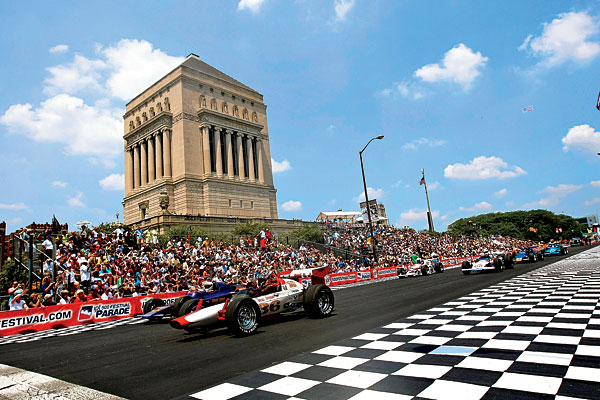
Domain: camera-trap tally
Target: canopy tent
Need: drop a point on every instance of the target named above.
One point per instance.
(339, 216)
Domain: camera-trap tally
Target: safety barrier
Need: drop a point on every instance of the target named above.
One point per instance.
(60, 316)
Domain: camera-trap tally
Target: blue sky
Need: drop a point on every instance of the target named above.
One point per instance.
(444, 81)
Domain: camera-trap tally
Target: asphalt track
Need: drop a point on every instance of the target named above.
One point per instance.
(155, 361)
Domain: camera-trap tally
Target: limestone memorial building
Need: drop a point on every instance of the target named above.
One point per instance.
(201, 138)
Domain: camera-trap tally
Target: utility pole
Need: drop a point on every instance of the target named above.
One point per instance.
(429, 216)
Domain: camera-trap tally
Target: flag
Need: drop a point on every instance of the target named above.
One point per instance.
(527, 109)
(422, 181)
(598, 102)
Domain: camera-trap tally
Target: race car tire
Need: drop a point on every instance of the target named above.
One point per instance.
(466, 265)
(466, 272)
(152, 304)
(508, 261)
(188, 307)
(541, 256)
(497, 264)
(318, 301)
(424, 271)
(438, 268)
(242, 315)
(177, 305)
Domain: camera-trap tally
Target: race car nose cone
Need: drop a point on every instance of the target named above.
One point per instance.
(175, 324)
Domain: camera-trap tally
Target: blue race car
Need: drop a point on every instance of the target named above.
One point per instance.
(556, 249)
(156, 309)
(528, 254)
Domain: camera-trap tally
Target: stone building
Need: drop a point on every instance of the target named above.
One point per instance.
(197, 144)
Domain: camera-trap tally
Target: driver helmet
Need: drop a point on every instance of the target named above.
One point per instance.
(207, 285)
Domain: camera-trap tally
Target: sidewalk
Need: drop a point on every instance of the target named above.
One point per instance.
(533, 336)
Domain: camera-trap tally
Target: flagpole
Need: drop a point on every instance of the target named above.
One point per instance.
(429, 216)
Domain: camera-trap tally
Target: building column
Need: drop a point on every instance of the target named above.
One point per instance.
(229, 149)
(136, 166)
(167, 152)
(151, 158)
(219, 156)
(240, 151)
(259, 156)
(158, 162)
(128, 171)
(144, 161)
(251, 159)
(205, 132)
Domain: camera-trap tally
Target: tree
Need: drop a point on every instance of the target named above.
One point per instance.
(249, 228)
(309, 233)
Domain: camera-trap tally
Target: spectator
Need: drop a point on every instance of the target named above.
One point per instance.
(17, 303)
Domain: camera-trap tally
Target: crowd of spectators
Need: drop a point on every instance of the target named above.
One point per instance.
(91, 265)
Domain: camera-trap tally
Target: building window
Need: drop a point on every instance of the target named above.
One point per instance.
(252, 204)
(230, 202)
(241, 203)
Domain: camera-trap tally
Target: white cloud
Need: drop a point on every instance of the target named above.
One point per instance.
(292, 205)
(76, 200)
(501, 193)
(433, 186)
(280, 166)
(59, 184)
(82, 129)
(13, 206)
(415, 215)
(59, 48)
(565, 38)
(416, 143)
(595, 184)
(397, 184)
(135, 65)
(113, 182)
(460, 65)
(583, 138)
(81, 74)
(483, 167)
(444, 217)
(251, 5)
(484, 205)
(595, 200)
(374, 194)
(409, 89)
(552, 195)
(342, 8)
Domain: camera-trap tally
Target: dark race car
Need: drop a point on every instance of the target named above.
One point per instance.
(488, 262)
(528, 254)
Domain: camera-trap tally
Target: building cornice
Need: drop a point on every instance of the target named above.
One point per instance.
(155, 124)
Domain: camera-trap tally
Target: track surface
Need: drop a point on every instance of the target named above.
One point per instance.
(156, 362)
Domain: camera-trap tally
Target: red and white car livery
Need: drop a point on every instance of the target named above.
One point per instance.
(243, 311)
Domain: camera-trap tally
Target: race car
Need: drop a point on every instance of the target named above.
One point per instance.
(426, 267)
(242, 312)
(488, 262)
(214, 292)
(528, 254)
(556, 249)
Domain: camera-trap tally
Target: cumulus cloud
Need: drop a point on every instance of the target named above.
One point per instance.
(113, 182)
(483, 167)
(460, 65)
(501, 193)
(374, 194)
(595, 184)
(59, 48)
(484, 205)
(582, 138)
(415, 215)
(251, 5)
(59, 184)
(75, 201)
(280, 166)
(552, 195)
(433, 186)
(342, 8)
(292, 205)
(565, 38)
(13, 206)
(134, 65)
(420, 142)
(79, 75)
(82, 129)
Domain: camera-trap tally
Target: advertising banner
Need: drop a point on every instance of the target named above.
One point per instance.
(341, 278)
(60, 316)
(386, 272)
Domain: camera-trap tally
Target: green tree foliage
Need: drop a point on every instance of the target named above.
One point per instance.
(11, 272)
(309, 233)
(517, 224)
(249, 228)
(177, 232)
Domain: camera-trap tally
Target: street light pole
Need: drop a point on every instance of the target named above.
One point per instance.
(374, 243)
(429, 216)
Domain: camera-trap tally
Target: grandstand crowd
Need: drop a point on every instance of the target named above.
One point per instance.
(90, 265)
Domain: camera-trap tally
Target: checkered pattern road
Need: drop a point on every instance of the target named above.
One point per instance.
(72, 330)
(533, 336)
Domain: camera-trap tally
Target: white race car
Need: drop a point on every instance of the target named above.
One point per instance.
(426, 267)
(487, 262)
(243, 310)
